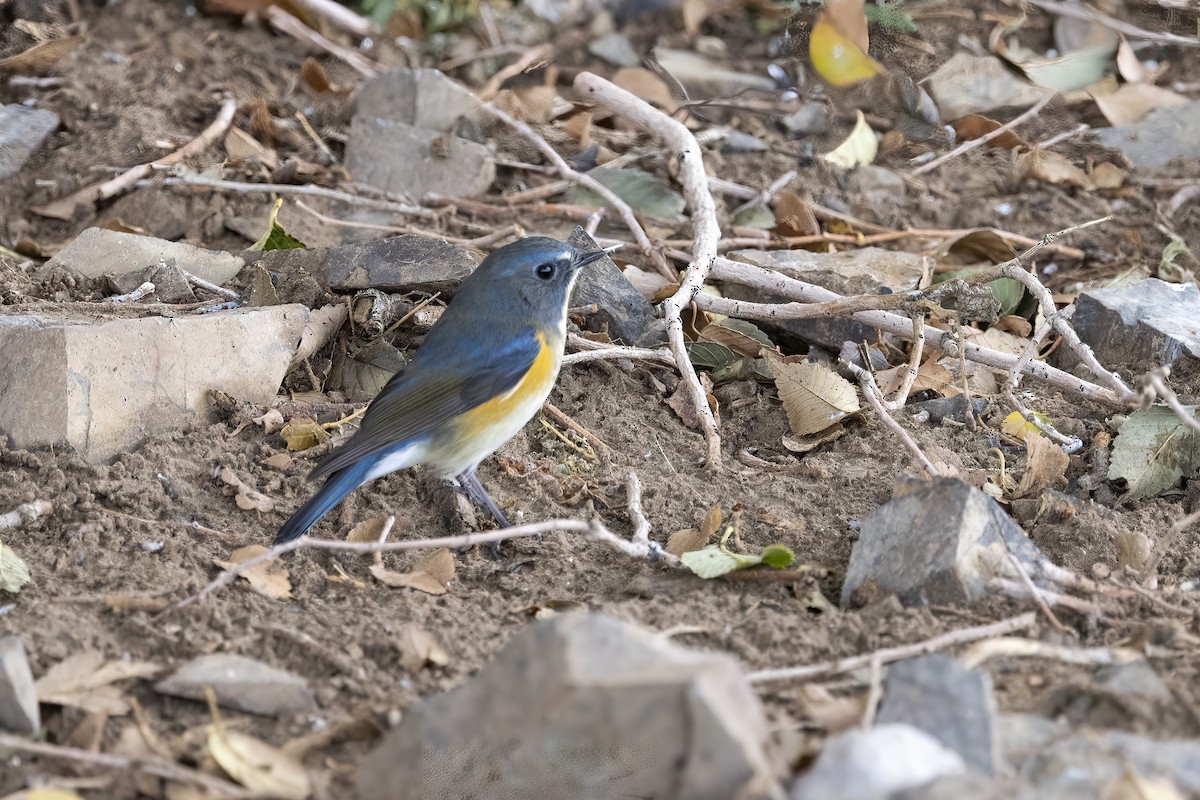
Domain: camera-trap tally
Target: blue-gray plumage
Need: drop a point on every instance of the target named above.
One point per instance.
(483, 371)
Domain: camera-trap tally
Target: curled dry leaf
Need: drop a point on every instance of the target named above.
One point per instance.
(740, 337)
(268, 578)
(419, 647)
(814, 397)
(85, 681)
(691, 539)
(681, 402)
(1048, 166)
(432, 574)
(1046, 465)
(271, 421)
(975, 126)
(367, 531)
(261, 768)
(247, 497)
(301, 433)
(860, 147)
(794, 216)
(14, 572)
(1131, 102)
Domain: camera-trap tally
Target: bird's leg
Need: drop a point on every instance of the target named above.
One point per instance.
(469, 482)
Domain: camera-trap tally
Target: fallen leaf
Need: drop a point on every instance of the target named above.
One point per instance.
(261, 768)
(646, 85)
(681, 402)
(313, 75)
(685, 541)
(710, 354)
(85, 681)
(41, 57)
(271, 421)
(794, 216)
(739, 336)
(1132, 786)
(694, 14)
(1106, 176)
(431, 575)
(976, 126)
(1153, 450)
(319, 328)
(805, 444)
(860, 147)
(833, 52)
(279, 461)
(241, 146)
(1046, 465)
(419, 647)
(1018, 427)
(367, 531)
(1130, 66)
(268, 578)
(363, 373)
(275, 237)
(14, 572)
(1048, 166)
(645, 193)
(301, 433)
(247, 498)
(1131, 102)
(814, 396)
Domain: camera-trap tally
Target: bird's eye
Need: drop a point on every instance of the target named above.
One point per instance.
(545, 271)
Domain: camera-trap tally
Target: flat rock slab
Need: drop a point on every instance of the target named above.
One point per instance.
(411, 161)
(423, 98)
(1141, 326)
(581, 706)
(1161, 136)
(22, 131)
(943, 544)
(396, 264)
(951, 702)
(240, 683)
(103, 387)
(99, 251)
(19, 711)
(873, 764)
(866, 271)
(624, 312)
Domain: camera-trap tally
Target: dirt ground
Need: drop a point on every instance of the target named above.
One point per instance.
(146, 74)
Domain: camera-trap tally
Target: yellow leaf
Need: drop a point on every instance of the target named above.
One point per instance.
(860, 147)
(836, 58)
(257, 765)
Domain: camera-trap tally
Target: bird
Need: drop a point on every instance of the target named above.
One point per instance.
(484, 369)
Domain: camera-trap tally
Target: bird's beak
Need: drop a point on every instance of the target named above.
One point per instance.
(585, 258)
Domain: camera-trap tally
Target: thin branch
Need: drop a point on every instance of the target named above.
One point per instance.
(889, 655)
(1132, 31)
(1155, 380)
(914, 363)
(130, 297)
(65, 208)
(285, 22)
(875, 398)
(563, 418)
(340, 16)
(706, 231)
(1013, 646)
(306, 190)
(641, 525)
(967, 146)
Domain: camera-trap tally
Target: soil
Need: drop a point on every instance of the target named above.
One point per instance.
(143, 82)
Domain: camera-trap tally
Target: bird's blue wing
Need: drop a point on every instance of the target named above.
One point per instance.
(438, 386)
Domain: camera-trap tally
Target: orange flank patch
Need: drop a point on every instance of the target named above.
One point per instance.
(527, 397)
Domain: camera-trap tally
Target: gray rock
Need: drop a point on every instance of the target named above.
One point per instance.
(1082, 761)
(1142, 326)
(810, 118)
(412, 161)
(170, 284)
(624, 312)
(615, 49)
(240, 683)
(1163, 135)
(99, 251)
(1135, 679)
(22, 131)
(968, 84)
(944, 543)
(951, 702)
(581, 706)
(398, 263)
(423, 98)
(19, 712)
(741, 142)
(104, 386)
(872, 179)
(1022, 736)
(871, 764)
(864, 271)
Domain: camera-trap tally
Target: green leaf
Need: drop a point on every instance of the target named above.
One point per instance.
(1008, 292)
(744, 369)
(276, 238)
(890, 15)
(644, 193)
(710, 355)
(778, 556)
(1152, 451)
(714, 561)
(363, 374)
(755, 216)
(14, 572)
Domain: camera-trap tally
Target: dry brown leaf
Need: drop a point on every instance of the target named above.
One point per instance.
(419, 647)
(41, 57)
(1132, 786)
(975, 126)
(247, 497)
(241, 146)
(850, 20)
(1017, 326)
(279, 461)
(1046, 466)
(814, 397)
(686, 541)
(694, 14)
(1130, 66)
(261, 768)
(794, 216)
(579, 127)
(741, 343)
(646, 85)
(931, 375)
(432, 574)
(1107, 177)
(1048, 166)
(681, 402)
(540, 104)
(367, 531)
(313, 75)
(271, 421)
(302, 433)
(711, 522)
(85, 681)
(268, 578)
(803, 444)
(1133, 101)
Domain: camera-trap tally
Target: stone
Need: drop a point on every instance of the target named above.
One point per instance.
(615, 49)
(414, 162)
(809, 119)
(968, 84)
(1087, 759)
(868, 270)
(942, 408)
(99, 251)
(1163, 135)
(705, 77)
(395, 264)
(422, 98)
(942, 544)
(22, 131)
(1121, 696)
(624, 312)
(872, 764)
(951, 702)
(1142, 326)
(581, 706)
(875, 180)
(104, 386)
(19, 711)
(170, 284)
(741, 142)
(240, 683)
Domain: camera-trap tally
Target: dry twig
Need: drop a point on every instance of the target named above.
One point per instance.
(967, 146)
(291, 189)
(26, 512)
(285, 22)
(875, 398)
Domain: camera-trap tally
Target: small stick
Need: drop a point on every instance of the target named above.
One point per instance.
(151, 765)
(340, 16)
(1070, 444)
(370, 226)
(481, 242)
(685, 152)
(874, 691)
(228, 538)
(1132, 31)
(562, 418)
(26, 512)
(212, 287)
(1011, 646)
(616, 352)
(1017, 589)
(1082, 127)
(528, 61)
(1155, 380)
(641, 525)
(64, 208)
(312, 134)
(137, 294)
(1035, 593)
(583, 448)
(285, 22)
(889, 655)
(914, 364)
(192, 179)
(875, 398)
(967, 146)
(412, 313)
(807, 470)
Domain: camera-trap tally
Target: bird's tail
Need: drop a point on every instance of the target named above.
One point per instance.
(337, 486)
